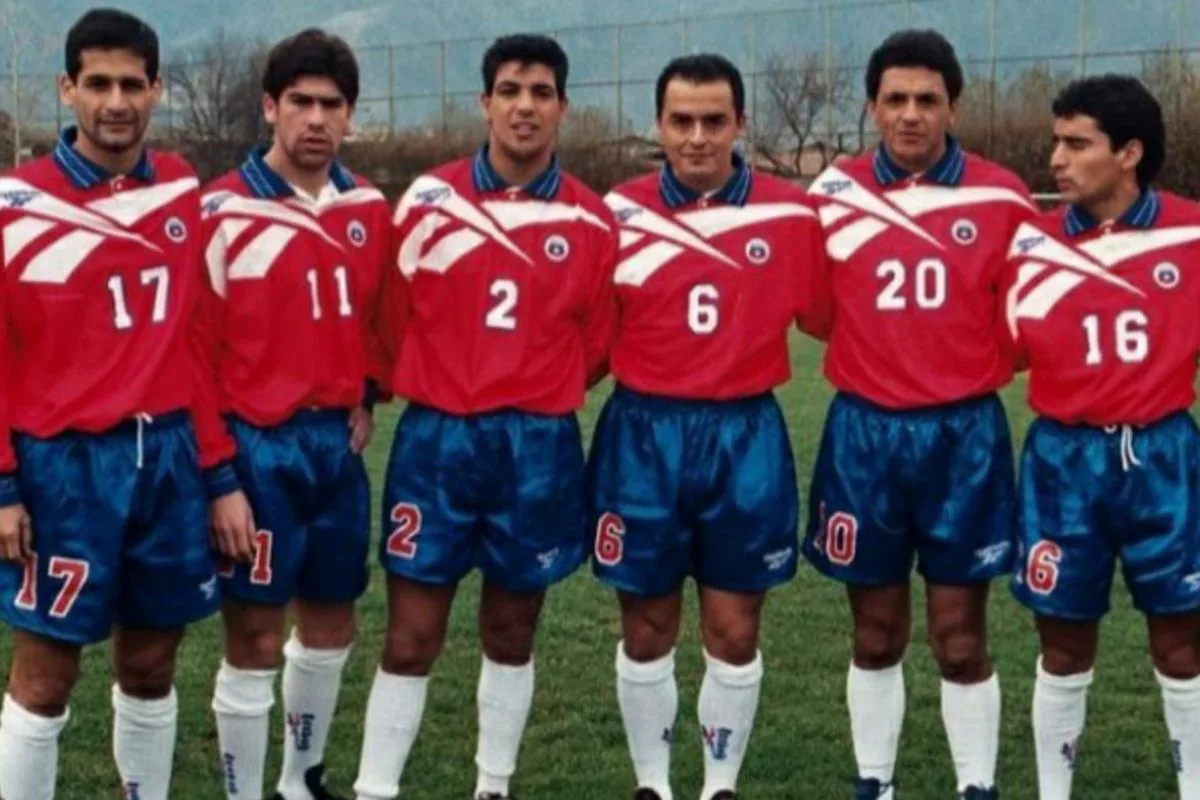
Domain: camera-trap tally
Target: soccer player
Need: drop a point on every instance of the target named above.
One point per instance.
(501, 294)
(295, 247)
(103, 521)
(1103, 311)
(691, 470)
(916, 458)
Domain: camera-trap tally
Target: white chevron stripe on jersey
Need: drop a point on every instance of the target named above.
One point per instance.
(832, 213)
(1039, 246)
(58, 260)
(634, 270)
(228, 232)
(1114, 248)
(1037, 302)
(273, 211)
(450, 248)
(408, 259)
(637, 216)
(354, 197)
(630, 238)
(513, 214)
(130, 206)
(710, 222)
(18, 235)
(1026, 274)
(918, 200)
(841, 188)
(430, 192)
(256, 259)
(43, 204)
(845, 243)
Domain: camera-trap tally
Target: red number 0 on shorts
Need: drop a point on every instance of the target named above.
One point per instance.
(73, 572)
(841, 538)
(402, 543)
(610, 539)
(1041, 573)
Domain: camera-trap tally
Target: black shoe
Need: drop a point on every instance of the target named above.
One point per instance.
(314, 779)
(724, 794)
(871, 788)
(979, 793)
(646, 794)
(494, 796)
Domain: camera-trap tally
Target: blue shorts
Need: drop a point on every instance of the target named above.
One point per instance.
(679, 487)
(116, 544)
(1092, 495)
(312, 506)
(937, 483)
(502, 491)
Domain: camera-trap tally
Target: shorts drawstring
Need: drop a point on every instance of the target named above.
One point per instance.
(1128, 457)
(142, 421)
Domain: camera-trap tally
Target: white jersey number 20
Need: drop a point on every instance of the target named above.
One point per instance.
(927, 279)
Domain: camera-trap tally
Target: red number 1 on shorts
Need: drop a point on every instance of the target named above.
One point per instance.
(260, 573)
(73, 572)
(402, 541)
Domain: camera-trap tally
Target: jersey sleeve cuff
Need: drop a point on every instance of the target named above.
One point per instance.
(10, 494)
(221, 480)
(370, 395)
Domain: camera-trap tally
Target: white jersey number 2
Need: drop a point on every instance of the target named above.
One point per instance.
(928, 280)
(504, 292)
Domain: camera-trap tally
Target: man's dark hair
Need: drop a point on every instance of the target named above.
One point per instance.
(701, 68)
(111, 29)
(311, 53)
(916, 48)
(1124, 109)
(526, 48)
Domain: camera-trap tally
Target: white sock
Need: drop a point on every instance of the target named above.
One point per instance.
(649, 701)
(876, 701)
(1059, 711)
(971, 714)
(242, 702)
(311, 682)
(505, 696)
(144, 743)
(1181, 706)
(28, 752)
(394, 711)
(726, 708)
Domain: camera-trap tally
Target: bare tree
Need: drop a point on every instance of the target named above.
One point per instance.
(801, 93)
(21, 39)
(214, 94)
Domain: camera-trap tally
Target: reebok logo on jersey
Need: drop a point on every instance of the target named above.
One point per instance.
(17, 198)
(434, 196)
(1028, 243)
(835, 187)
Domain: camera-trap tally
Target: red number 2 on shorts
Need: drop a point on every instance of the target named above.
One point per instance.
(402, 543)
(73, 572)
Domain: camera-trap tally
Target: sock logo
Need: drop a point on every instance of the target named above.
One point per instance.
(1177, 756)
(1070, 752)
(300, 726)
(130, 791)
(228, 761)
(668, 735)
(717, 740)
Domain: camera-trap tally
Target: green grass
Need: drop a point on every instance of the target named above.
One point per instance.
(574, 746)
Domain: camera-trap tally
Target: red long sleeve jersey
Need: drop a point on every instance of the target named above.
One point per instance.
(292, 294)
(707, 291)
(501, 299)
(917, 270)
(100, 285)
(1106, 319)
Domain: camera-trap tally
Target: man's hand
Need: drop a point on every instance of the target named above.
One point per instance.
(233, 527)
(16, 534)
(362, 428)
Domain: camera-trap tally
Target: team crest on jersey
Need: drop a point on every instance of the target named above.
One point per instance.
(1166, 275)
(758, 251)
(557, 248)
(964, 231)
(175, 229)
(356, 232)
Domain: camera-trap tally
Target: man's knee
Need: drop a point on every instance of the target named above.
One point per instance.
(961, 655)
(147, 672)
(649, 626)
(507, 630)
(253, 635)
(732, 639)
(43, 675)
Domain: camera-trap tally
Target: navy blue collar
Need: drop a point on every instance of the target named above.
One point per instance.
(85, 173)
(544, 187)
(735, 192)
(268, 184)
(948, 171)
(1142, 214)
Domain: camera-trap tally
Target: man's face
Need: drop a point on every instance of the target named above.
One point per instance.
(523, 111)
(310, 120)
(113, 98)
(1085, 167)
(913, 114)
(697, 128)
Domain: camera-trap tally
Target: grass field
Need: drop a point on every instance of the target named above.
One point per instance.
(574, 748)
